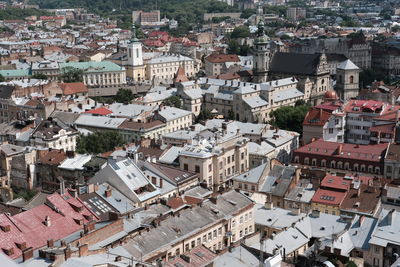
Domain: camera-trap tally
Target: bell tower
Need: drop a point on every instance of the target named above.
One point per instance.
(135, 67)
(261, 55)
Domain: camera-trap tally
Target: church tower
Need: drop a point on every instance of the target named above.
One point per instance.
(261, 55)
(347, 80)
(135, 67)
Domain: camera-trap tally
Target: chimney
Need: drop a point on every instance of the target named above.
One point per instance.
(340, 148)
(269, 205)
(154, 180)
(67, 253)
(50, 243)
(362, 218)
(359, 191)
(83, 250)
(47, 221)
(27, 254)
(161, 182)
(108, 192)
(390, 217)
(315, 213)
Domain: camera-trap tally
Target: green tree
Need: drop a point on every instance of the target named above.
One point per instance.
(173, 101)
(233, 47)
(231, 115)
(2, 79)
(247, 13)
(204, 114)
(351, 264)
(71, 75)
(99, 142)
(240, 32)
(39, 76)
(124, 96)
(290, 118)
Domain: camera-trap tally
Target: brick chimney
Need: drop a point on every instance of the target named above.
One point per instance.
(83, 250)
(161, 182)
(108, 192)
(27, 254)
(50, 243)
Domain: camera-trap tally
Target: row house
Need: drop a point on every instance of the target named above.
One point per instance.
(342, 158)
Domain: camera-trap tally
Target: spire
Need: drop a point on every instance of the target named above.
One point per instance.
(180, 75)
(134, 38)
(261, 29)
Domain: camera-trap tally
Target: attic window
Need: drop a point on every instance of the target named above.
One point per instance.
(5, 228)
(8, 251)
(322, 228)
(215, 210)
(232, 202)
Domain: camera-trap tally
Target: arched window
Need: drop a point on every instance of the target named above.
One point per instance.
(340, 165)
(296, 159)
(346, 166)
(377, 170)
(306, 161)
(370, 168)
(314, 162)
(355, 167)
(323, 163)
(351, 79)
(333, 164)
(362, 168)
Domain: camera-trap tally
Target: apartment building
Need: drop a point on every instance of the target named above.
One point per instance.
(216, 64)
(53, 133)
(215, 223)
(216, 159)
(162, 68)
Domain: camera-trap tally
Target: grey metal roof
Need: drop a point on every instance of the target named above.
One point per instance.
(190, 221)
(252, 176)
(276, 217)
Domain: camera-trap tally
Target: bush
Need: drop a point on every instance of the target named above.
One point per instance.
(99, 142)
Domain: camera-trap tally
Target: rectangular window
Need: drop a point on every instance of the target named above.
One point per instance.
(241, 220)
(185, 167)
(209, 236)
(214, 234)
(242, 155)
(204, 238)
(209, 167)
(233, 223)
(199, 241)
(187, 247)
(220, 231)
(197, 169)
(193, 243)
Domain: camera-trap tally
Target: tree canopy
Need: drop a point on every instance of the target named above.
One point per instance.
(240, 32)
(290, 118)
(124, 96)
(39, 76)
(173, 101)
(18, 13)
(71, 75)
(99, 142)
(2, 79)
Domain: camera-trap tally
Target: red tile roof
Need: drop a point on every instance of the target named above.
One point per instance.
(316, 117)
(347, 151)
(330, 105)
(336, 182)
(100, 111)
(73, 88)
(328, 197)
(387, 128)
(360, 106)
(28, 227)
(177, 202)
(222, 58)
(199, 256)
